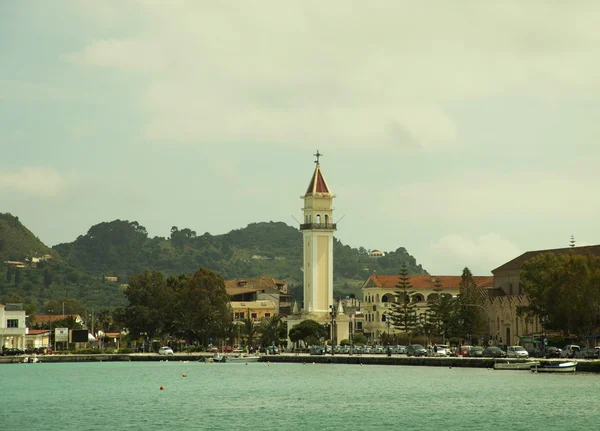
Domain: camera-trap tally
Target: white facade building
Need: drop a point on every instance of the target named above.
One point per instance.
(12, 326)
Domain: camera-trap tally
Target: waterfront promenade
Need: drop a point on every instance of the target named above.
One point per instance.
(584, 365)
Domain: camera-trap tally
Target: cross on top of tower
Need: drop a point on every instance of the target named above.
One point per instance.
(317, 155)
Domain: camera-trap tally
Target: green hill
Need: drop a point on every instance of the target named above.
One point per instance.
(17, 242)
(46, 280)
(122, 248)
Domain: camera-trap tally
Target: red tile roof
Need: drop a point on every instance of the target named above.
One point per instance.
(45, 318)
(317, 183)
(38, 331)
(518, 262)
(427, 281)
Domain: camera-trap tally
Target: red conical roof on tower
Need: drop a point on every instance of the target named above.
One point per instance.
(317, 183)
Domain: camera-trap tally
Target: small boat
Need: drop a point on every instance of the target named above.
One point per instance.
(564, 367)
(31, 360)
(242, 359)
(515, 365)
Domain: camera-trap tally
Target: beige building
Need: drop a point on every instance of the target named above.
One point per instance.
(12, 326)
(507, 294)
(317, 238)
(379, 292)
(260, 290)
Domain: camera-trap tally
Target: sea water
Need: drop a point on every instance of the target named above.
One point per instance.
(259, 396)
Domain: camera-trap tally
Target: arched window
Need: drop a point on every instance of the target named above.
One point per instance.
(318, 218)
(326, 219)
(432, 297)
(418, 298)
(383, 317)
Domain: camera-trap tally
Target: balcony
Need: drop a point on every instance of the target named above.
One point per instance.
(318, 226)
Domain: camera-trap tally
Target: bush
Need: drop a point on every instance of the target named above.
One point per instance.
(344, 343)
(126, 350)
(109, 351)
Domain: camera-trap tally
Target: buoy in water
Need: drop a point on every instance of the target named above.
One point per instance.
(184, 375)
(162, 388)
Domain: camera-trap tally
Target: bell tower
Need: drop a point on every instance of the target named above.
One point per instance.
(317, 234)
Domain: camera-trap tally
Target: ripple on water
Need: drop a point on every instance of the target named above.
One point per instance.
(126, 396)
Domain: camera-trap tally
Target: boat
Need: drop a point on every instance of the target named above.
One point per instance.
(515, 365)
(242, 359)
(563, 367)
(31, 360)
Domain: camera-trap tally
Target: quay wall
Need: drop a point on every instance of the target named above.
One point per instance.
(592, 366)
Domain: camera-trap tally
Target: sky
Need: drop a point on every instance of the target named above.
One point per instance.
(466, 132)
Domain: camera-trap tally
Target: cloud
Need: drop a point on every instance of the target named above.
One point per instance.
(363, 76)
(480, 253)
(36, 181)
(476, 195)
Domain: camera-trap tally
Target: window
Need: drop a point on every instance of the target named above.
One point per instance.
(267, 314)
(318, 218)
(383, 317)
(253, 315)
(239, 316)
(12, 323)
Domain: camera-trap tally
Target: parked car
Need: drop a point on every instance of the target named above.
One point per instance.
(516, 352)
(442, 350)
(587, 353)
(494, 352)
(552, 352)
(570, 351)
(165, 350)
(317, 350)
(12, 351)
(416, 350)
(464, 350)
(401, 350)
(476, 352)
(272, 350)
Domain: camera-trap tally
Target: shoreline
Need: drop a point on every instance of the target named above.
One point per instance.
(591, 366)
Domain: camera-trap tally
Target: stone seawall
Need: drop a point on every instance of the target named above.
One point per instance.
(583, 365)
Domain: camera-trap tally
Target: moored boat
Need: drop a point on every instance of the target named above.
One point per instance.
(564, 367)
(242, 359)
(515, 365)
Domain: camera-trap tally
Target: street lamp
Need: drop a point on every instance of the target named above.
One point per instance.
(332, 314)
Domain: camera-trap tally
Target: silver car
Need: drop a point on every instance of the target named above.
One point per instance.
(516, 352)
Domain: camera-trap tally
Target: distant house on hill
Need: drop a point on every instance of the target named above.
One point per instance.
(15, 263)
(111, 278)
(376, 253)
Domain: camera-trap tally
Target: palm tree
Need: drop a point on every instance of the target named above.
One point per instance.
(271, 330)
(250, 330)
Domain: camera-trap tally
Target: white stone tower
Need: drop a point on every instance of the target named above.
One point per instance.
(317, 231)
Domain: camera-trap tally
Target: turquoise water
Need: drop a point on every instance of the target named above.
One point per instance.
(126, 396)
